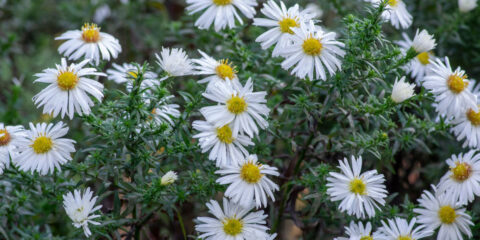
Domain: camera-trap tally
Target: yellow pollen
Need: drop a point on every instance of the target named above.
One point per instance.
(250, 173)
(225, 134)
(474, 117)
(393, 3)
(133, 74)
(67, 80)
(366, 238)
(456, 83)
(5, 137)
(447, 214)
(423, 58)
(461, 171)
(222, 2)
(226, 70)
(90, 33)
(232, 226)
(312, 46)
(236, 105)
(357, 186)
(404, 238)
(287, 24)
(42, 145)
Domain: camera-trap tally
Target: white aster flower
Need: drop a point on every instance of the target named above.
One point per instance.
(217, 71)
(439, 210)
(127, 72)
(396, 12)
(174, 62)
(312, 51)
(89, 43)
(234, 222)
(44, 149)
(281, 21)
(169, 178)
(467, 5)
(313, 10)
(225, 149)
(67, 92)
(360, 193)
(401, 229)
(358, 231)
(164, 112)
(418, 66)
(467, 126)
(248, 182)
(402, 90)
(79, 207)
(222, 13)
(102, 13)
(10, 140)
(241, 107)
(462, 181)
(450, 89)
(423, 42)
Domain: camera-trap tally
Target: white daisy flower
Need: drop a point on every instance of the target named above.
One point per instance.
(218, 71)
(360, 193)
(312, 51)
(44, 149)
(10, 139)
(174, 62)
(313, 10)
(467, 126)
(418, 66)
(169, 178)
(225, 149)
(423, 42)
(396, 12)
(164, 112)
(241, 107)
(248, 182)
(281, 21)
(67, 92)
(401, 229)
(127, 72)
(358, 231)
(89, 43)
(402, 90)
(439, 210)
(462, 182)
(234, 222)
(450, 89)
(467, 5)
(222, 13)
(79, 207)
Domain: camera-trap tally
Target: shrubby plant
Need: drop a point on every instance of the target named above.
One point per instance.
(239, 119)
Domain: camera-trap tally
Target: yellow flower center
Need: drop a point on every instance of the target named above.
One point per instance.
(42, 145)
(5, 137)
(225, 134)
(461, 171)
(366, 238)
(393, 3)
(232, 226)
(474, 117)
(404, 238)
(456, 83)
(312, 46)
(225, 70)
(357, 186)
(447, 214)
(133, 74)
(90, 33)
(424, 58)
(236, 105)
(222, 2)
(287, 24)
(250, 173)
(67, 80)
